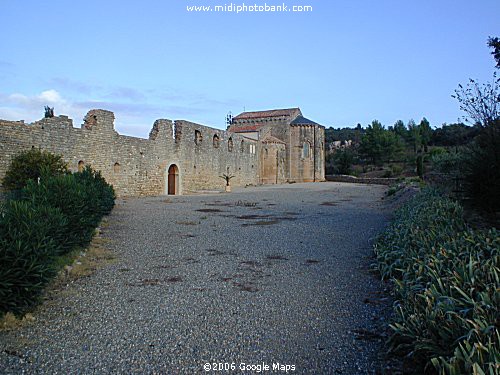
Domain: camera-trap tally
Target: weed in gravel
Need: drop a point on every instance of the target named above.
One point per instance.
(276, 257)
(187, 222)
(173, 279)
(312, 261)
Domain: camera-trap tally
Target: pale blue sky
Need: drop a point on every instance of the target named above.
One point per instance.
(345, 62)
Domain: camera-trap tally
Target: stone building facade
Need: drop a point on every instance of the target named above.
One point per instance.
(179, 157)
(293, 147)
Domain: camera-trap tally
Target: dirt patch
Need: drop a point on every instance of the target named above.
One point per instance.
(329, 203)
(252, 217)
(214, 252)
(262, 222)
(246, 287)
(187, 222)
(312, 261)
(250, 263)
(173, 279)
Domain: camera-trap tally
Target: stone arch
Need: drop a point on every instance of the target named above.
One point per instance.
(81, 166)
(198, 138)
(216, 141)
(173, 180)
(230, 144)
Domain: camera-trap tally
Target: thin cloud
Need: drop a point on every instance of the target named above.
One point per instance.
(126, 93)
(6, 64)
(74, 85)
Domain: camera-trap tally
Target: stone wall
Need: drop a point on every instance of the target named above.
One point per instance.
(136, 166)
(306, 153)
(362, 180)
(273, 168)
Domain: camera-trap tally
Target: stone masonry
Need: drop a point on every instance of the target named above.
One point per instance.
(179, 157)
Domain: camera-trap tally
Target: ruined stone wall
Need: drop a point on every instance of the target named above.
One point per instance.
(135, 166)
(306, 165)
(202, 160)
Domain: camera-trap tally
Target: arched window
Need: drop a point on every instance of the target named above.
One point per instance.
(216, 141)
(198, 138)
(242, 146)
(117, 167)
(81, 166)
(230, 144)
(306, 150)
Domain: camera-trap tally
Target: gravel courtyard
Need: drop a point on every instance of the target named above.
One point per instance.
(261, 276)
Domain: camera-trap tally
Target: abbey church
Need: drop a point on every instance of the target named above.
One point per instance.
(179, 157)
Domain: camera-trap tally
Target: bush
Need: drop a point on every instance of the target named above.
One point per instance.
(103, 193)
(47, 218)
(449, 163)
(482, 168)
(75, 202)
(29, 165)
(30, 236)
(446, 277)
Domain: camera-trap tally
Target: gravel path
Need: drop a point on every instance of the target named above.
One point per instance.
(261, 276)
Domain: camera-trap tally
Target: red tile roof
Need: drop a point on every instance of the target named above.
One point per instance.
(270, 113)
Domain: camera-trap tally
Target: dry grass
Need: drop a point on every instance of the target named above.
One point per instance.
(96, 256)
(187, 222)
(9, 321)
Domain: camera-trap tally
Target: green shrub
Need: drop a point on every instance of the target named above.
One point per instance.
(103, 193)
(30, 237)
(396, 170)
(482, 168)
(437, 151)
(29, 165)
(449, 163)
(447, 280)
(75, 202)
(52, 215)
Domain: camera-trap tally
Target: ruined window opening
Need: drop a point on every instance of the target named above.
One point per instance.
(306, 150)
(198, 138)
(230, 144)
(81, 166)
(242, 146)
(117, 167)
(216, 141)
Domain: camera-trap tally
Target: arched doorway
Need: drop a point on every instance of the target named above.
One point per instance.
(173, 180)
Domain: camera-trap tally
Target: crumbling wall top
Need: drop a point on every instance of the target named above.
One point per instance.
(100, 118)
